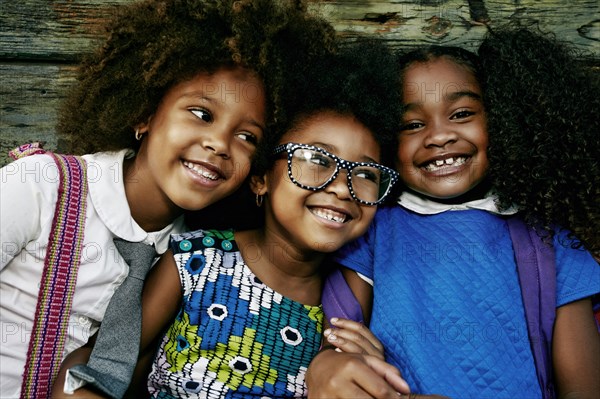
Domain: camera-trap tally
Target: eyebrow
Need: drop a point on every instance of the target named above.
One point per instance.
(450, 97)
(198, 95)
(332, 149)
(463, 93)
(254, 122)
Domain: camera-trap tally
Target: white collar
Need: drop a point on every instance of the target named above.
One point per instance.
(426, 206)
(107, 192)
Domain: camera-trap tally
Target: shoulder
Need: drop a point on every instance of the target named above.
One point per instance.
(38, 173)
(109, 156)
(28, 166)
(100, 163)
(577, 272)
(569, 250)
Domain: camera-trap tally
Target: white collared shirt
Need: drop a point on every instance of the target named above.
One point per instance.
(27, 201)
(424, 206)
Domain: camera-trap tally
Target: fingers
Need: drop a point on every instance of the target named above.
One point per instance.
(389, 373)
(373, 379)
(351, 344)
(359, 329)
(347, 375)
(353, 337)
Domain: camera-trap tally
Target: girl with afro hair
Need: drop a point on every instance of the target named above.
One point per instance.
(169, 112)
(510, 133)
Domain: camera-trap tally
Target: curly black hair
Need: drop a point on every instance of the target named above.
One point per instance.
(458, 55)
(155, 44)
(542, 102)
(361, 80)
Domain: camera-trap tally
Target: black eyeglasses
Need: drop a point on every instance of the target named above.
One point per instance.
(313, 168)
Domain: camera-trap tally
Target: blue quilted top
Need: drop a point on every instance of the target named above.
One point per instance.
(447, 301)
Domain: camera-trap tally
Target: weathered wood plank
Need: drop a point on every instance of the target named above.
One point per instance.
(30, 95)
(59, 30)
(63, 29)
(459, 22)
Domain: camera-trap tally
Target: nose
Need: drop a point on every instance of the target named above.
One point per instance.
(339, 186)
(218, 141)
(439, 135)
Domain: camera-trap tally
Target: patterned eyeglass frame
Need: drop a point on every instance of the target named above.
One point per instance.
(339, 165)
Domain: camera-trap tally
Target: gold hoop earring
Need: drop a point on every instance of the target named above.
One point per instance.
(138, 135)
(259, 200)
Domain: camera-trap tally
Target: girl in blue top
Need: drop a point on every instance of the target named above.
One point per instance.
(438, 278)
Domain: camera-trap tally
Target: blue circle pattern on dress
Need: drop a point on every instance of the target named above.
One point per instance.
(185, 245)
(208, 242)
(226, 245)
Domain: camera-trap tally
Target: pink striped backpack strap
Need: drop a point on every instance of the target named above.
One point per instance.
(57, 286)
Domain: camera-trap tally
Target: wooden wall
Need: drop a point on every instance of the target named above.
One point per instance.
(41, 40)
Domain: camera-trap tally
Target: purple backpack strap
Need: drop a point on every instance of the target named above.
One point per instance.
(338, 299)
(59, 277)
(536, 268)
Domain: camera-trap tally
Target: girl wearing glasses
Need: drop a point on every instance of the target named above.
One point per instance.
(237, 313)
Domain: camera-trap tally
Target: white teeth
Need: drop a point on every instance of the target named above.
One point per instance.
(441, 163)
(329, 214)
(198, 169)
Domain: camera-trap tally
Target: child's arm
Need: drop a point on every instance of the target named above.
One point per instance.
(576, 351)
(160, 301)
(78, 356)
(335, 374)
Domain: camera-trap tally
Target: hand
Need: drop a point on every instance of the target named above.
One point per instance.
(334, 374)
(353, 337)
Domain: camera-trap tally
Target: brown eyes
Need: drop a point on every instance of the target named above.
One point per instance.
(462, 114)
(202, 114)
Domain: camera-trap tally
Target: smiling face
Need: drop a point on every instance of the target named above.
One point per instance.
(443, 141)
(198, 145)
(322, 220)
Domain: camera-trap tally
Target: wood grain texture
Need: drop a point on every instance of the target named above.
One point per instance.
(30, 95)
(41, 41)
(56, 30)
(460, 22)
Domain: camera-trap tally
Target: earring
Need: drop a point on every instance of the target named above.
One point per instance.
(138, 135)
(259, 200)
